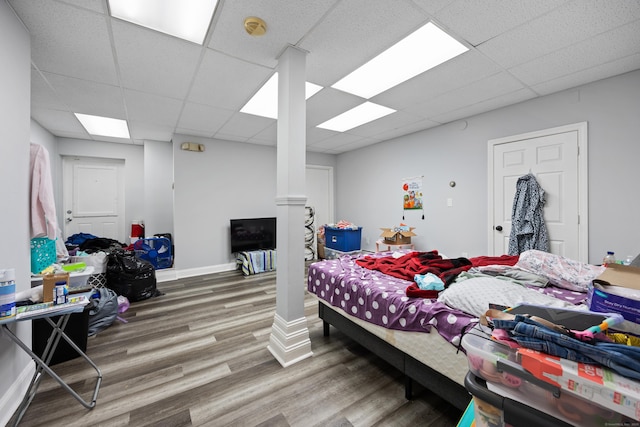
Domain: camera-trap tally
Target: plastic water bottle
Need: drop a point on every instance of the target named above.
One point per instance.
(609, 259)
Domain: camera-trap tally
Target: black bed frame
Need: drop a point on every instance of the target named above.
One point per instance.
(412, 369)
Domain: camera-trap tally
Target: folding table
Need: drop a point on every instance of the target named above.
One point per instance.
(64, 311)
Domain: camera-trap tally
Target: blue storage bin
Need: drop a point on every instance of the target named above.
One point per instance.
(343, 239)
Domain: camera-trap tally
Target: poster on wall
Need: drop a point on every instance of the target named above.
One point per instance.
(412, 194)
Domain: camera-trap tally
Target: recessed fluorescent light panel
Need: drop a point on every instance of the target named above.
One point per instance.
(265, 101)
(104, 126)
(422, 50)
(363, 113)
(188, 20)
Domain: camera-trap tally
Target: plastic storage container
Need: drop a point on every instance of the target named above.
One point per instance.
(609, 258)
(343, 239)
(78, 281)
(335, 254)
(559, 387)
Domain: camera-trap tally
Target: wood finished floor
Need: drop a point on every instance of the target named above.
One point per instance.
(197, 356)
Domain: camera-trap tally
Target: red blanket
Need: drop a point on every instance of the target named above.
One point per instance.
(407, 266)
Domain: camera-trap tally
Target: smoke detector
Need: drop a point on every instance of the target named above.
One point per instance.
(255, 26)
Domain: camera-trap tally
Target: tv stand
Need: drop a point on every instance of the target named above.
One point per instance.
(254, 262)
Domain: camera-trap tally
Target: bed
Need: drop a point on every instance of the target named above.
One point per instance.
(419, 334)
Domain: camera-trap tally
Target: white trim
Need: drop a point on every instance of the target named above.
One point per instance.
(9, 403)
(292, 200)
(289, 342)
(583, 182)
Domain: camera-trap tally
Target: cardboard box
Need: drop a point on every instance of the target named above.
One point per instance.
(321, 254)
(395, 236)
(48, 283)
(589, 383)
(601, 297)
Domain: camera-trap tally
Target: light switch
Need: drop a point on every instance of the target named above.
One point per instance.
(449, 202)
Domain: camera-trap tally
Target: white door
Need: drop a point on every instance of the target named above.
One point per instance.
(319, 189)
(557, 158)
(94, 197)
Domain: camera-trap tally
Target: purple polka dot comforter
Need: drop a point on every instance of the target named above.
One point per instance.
(382, 300)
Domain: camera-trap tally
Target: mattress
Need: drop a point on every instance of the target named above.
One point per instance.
(378, 303)
(426, 329)
(430, 349)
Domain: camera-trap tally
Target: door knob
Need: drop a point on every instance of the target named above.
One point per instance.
(498, 228)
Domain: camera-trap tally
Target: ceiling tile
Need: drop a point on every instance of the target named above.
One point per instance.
(229, 137)
(94, 5)
(485, 105)
(407, 129)
(562, 27)
(329, 103)
(42, 95)
(194, 132)
(67, 40)
(477, 21)
(245, 125)
(336, 141)
(203, 118)
(144, 130)
(354, 32)
(226, 82)
(268, 136)
(315, 135)
(395, 120)
(361, 143)
(154, 62)
(598, 72)
(471, 94)
(287, 22)
(618, 43)
(460, 71)
(58, 121)
(162, 84)
(146, 107)
(80, 96)
(432, 7)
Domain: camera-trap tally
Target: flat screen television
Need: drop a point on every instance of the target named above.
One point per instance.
(253, 234)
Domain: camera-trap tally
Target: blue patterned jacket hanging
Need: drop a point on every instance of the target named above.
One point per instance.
(528, 229)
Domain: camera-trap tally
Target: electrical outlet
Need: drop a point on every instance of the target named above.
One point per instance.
(465, 255)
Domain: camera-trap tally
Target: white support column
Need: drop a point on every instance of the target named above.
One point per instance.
(289, 342)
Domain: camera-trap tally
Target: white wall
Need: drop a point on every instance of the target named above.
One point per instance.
(133, 156)
(158, 187)
(228, 180)
(15, 81)
(368, 179)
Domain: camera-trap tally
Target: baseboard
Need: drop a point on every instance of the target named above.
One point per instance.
(168, 274)
(289, 342)
(14, 393)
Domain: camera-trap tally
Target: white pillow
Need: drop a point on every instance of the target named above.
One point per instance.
(474, 295)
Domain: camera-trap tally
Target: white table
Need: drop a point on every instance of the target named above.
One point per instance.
(382, 243)
(64, 311)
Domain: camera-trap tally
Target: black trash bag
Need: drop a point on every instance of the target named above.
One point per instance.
(103, 310)
(131, 277)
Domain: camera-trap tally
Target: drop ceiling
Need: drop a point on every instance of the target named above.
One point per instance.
(87, 62)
